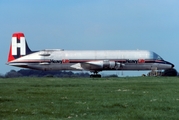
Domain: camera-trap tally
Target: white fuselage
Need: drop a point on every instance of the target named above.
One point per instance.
(56, 59)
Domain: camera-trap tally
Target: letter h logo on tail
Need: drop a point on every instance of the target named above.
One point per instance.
(18, 47)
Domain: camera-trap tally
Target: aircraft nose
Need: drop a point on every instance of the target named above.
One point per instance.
(172, 65)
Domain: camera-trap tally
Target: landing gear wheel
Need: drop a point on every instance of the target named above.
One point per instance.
(170, 72)
(95, 76)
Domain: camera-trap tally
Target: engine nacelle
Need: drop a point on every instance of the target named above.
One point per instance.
(111, 64)
(106, 64)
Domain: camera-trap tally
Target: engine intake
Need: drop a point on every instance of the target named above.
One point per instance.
(111, 64)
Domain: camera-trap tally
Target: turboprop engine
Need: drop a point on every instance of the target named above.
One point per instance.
(111, 64)
(106, 64)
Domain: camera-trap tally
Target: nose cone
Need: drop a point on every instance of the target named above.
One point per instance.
(172, 65)
(165, 65)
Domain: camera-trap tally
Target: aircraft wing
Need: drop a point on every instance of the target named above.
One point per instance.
(92, 65)
(97, 65)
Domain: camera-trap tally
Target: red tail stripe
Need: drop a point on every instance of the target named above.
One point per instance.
(18, 35)
(10, 57)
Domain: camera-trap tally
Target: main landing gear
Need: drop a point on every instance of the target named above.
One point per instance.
(95, 75)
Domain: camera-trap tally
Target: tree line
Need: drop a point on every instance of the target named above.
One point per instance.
(38, 73)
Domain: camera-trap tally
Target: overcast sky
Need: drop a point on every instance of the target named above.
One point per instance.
(92, 25)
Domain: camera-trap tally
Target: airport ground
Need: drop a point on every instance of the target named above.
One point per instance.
(125, 98)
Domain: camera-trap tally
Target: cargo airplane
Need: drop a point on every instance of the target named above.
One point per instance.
(94, 61)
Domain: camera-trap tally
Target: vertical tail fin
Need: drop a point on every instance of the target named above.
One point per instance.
(18, 47)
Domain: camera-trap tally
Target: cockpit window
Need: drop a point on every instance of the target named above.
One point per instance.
(157, 57)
